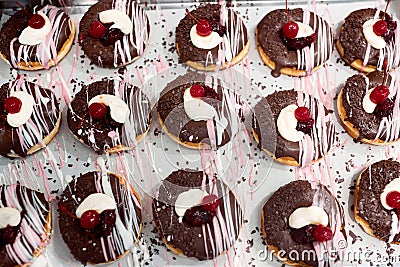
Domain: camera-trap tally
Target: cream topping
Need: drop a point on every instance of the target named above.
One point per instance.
(205, 42)
(394, 185)
(21, 117)
(374, 40)
(120, 19)
(304, 30)
(188, 199)
(368, 105)
(119, 110)
(9, 216)
(98, 202)
(32, 36)
(196, 108)
(308, 215)
(287, 124)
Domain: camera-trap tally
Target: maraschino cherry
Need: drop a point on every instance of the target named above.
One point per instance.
(97, 30)
(211, 203)
(381, 92)
(302, 114)
(36, 21)
(90, 219)
(393, 199)
(203, 27)
(322, 233)
(380, 27)
(197, 90)
(12, 104)
(290, 28)
(97, 110)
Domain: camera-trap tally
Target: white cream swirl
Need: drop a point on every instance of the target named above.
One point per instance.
(308, 215)
(304, 30)
(394, 185)
(196, 108)
(287, 124)
(9, 216)
(188, 199)
(120, 19)
(119, 110)
(32, 36)
(368, 105)
(374, 40)
(98, 202)
(21, 117)
(205, 42)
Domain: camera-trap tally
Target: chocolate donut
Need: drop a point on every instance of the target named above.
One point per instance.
(105, 134)
(127, 47)
(279, 235)
(318, 140)
(22, 136)
(354, 48)
(194, 133)
(369, 211)
(34, 229)
(93, 246)
(228, 52)
(204, 241)
(376, 127)
(277, 56)
(51, 50)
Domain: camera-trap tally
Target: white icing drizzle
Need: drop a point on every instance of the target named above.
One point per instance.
(32, 36)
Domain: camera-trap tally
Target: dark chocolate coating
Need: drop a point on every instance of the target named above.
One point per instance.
(83, 246)
(369, 207)
(187, 51)
(283, 203)
(269, 31)
(354, 91)
(100, 54)
(45, 114)
(13, 27)
(83, 126)
(189, 239)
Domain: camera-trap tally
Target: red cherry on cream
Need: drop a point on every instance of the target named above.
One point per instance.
(211, 203)
(322, 233)
(290, 29)
(36, 21)
(90, 219)
(379, 94)
(197, 90)
(12, 104)
(393, 199)
(380, 27)
(203, 28)
(97, 110)
(302, 114)
(97, 30)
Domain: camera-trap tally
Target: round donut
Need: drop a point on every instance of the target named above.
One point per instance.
(129, 47)
(47, 53)
(34, 229)
(369, 211)
(32, 132)
(105, 134)
(232, 49)
(200, 241)
(354, 48)
(278, 233)
(188, 131)
(369, 128)
(86, 245)
(282, 60)
(311, 148)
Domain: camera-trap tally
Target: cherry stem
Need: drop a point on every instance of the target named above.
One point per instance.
(385, 63)
(384, 14)
(190, 14)
(64, 209)
(83, 119)
(287, 11)
(23, 8)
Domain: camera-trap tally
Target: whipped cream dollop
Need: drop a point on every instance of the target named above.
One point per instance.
(394, 185)
(32, 36)
(119, 110)
(98, 202)
(367, 104)
(304, 30)
(308, 215)
(374, 40)
(21, 117)
(120, 19)
(188, 199)
(196, 108)
(9, 217)
(287, 124)
(205, 42)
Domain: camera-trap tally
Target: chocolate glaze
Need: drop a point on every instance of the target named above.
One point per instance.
(269, 39)
(23, 196)
(104, 56)
(354, 91)
(44, 117)
(171, 110)
(284, 202)
(265, 117)
(371, 184)
(87, 129)
(187, 51)
(188, 238)
(352, 38)
(75, 236)
(13, 27)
